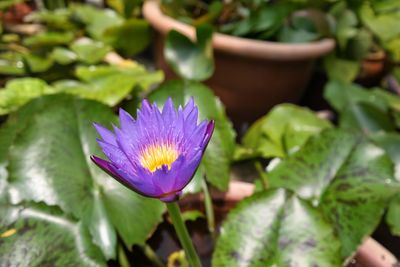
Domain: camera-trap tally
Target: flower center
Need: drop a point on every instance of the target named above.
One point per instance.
(154, 156)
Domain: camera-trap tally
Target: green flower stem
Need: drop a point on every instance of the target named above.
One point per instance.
(183, 234)
(122, 258)
(263, 175)
(152, 256)
(209, 208)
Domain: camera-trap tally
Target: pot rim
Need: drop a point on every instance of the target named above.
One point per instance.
(240, 46)
(369, 254)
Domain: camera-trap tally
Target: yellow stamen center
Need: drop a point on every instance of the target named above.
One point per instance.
(153, 157)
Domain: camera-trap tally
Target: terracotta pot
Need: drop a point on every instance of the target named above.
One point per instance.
(369, 254)
(251, 76)
(373, 68)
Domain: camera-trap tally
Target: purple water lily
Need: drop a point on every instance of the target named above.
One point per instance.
(157, 154)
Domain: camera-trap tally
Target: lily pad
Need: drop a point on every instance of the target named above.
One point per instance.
(41, 236)
(276, 229)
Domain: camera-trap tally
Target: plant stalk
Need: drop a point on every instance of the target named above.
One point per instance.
(263, 175)
(209, 208)
(152, 256)
(122, 258)
(183, 234)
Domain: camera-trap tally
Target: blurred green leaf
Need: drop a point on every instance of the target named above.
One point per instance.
(218, 156)
(19, 91)
(132, 37)
(63, 56)
(339, 69)
(37, 63)
(301, 30)
(11, 63)
(384, 26)
(45, 39)
(191, 61)
(59, 19)
(49, 162)
(341, 95)
(89, 51)
(359, 46)
(358, 107)
(97, 20)
(393, 216)
(41, 236)
(276, 229)
(109, 84)
(285, 128)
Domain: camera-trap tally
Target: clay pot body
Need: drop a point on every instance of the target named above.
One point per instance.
(251, 76)
(373, 68)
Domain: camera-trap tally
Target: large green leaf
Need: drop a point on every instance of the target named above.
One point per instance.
(41, 236)
(192, 61)
(310, 170)
(219, 153)
(356, 199)
(275, 229)
(19, 91)
(284, 129)
(49, 162)
(348, 178)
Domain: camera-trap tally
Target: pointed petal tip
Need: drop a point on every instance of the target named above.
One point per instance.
(210, 127)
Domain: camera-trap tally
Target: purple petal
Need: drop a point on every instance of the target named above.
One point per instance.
(188, 107)
(104, 165)
(209, 132)
(187, 171)
(143, 185)
(126, 121)
(105, 134)
(165, 178)
(191, 121)
(169, 112)
(116, 156)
